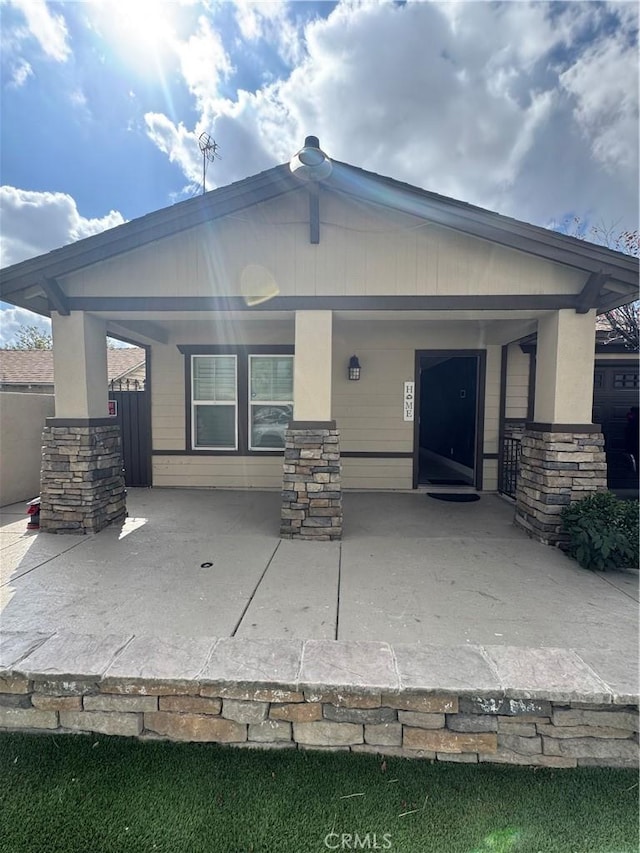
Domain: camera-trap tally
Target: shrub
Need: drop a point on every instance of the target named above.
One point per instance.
(603, 532)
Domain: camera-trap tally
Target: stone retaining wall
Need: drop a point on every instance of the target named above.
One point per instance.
(312, 489)
(194, 699)
(439, 727)
(556, 468)
(82, 484)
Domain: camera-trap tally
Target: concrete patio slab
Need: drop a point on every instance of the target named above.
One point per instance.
(410, 570)
(298, 595)
(417, 516)
(132, 578)
(17, 645)
(447, 590)
(28, 550)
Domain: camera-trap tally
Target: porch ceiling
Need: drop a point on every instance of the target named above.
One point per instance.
(183, 326)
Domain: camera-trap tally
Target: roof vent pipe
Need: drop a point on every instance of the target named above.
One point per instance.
(311, 163)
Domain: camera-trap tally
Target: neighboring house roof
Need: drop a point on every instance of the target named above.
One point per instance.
(35, 366)
(603, 265)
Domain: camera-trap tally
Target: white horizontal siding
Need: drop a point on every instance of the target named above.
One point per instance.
(517, 391)
(369, 413)
(389, 474)
(217, 472)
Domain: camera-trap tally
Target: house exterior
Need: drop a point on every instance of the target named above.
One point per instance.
(31, 371)
(255, 300)
(615, 390)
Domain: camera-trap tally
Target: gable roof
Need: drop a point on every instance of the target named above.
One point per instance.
(611, 266)
(35, 366)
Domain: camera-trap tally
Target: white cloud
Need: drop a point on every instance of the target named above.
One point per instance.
(36, 222)
(606, 101)
(270, 21)
(204, 63)
(21, 74)
(12, 319)
(47, 27)
(525, 108)
(177, 142)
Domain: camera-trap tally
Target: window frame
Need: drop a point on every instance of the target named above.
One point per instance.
(242, 353)
(251, 403)
(225, 403)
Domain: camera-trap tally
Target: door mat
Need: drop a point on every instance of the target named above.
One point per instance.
(463, 497)
(448, 482)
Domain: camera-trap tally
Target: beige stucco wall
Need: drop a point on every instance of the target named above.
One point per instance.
(22, 419)
(364, 250)
(369, 413)
(312, 366)
(564, 367)
(80, 365)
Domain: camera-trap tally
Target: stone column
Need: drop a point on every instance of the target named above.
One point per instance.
(562, 452)
(559, 464)
(82, 484)
(312, 491)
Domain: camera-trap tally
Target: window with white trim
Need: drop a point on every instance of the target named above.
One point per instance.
(214, 400)
(270, 400)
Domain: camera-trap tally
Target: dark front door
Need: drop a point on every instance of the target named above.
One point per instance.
(615, 391)
(448, 432)
(132, 415)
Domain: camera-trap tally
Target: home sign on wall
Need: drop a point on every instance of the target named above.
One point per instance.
(409, 400)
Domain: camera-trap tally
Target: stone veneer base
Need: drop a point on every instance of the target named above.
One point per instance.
(556, 469)
(311, 488)
(538, 707)
(82, 483)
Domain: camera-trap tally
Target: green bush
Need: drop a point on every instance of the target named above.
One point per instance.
(603, 532)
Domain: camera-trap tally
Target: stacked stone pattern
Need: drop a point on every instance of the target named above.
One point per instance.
(82, 484)
(312, 490)
(555, 470)
(540, 707)
(441, 727)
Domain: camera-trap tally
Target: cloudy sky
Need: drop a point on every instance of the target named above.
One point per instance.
(529, 109)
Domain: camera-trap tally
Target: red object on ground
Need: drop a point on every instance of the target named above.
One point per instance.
(33, 511)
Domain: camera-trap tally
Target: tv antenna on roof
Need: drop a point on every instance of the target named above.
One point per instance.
(209, 150)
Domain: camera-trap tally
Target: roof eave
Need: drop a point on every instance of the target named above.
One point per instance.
(450, 213)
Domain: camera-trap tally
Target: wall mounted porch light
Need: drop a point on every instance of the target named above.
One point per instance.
(354, 368)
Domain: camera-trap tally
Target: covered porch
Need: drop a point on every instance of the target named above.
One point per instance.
(410, 569)
(434, 398)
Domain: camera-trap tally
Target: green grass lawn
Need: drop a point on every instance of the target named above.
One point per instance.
(99, 794)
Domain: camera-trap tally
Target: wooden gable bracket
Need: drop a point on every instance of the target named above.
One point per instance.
(314, 214)
(588, 296)
(56, 296)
